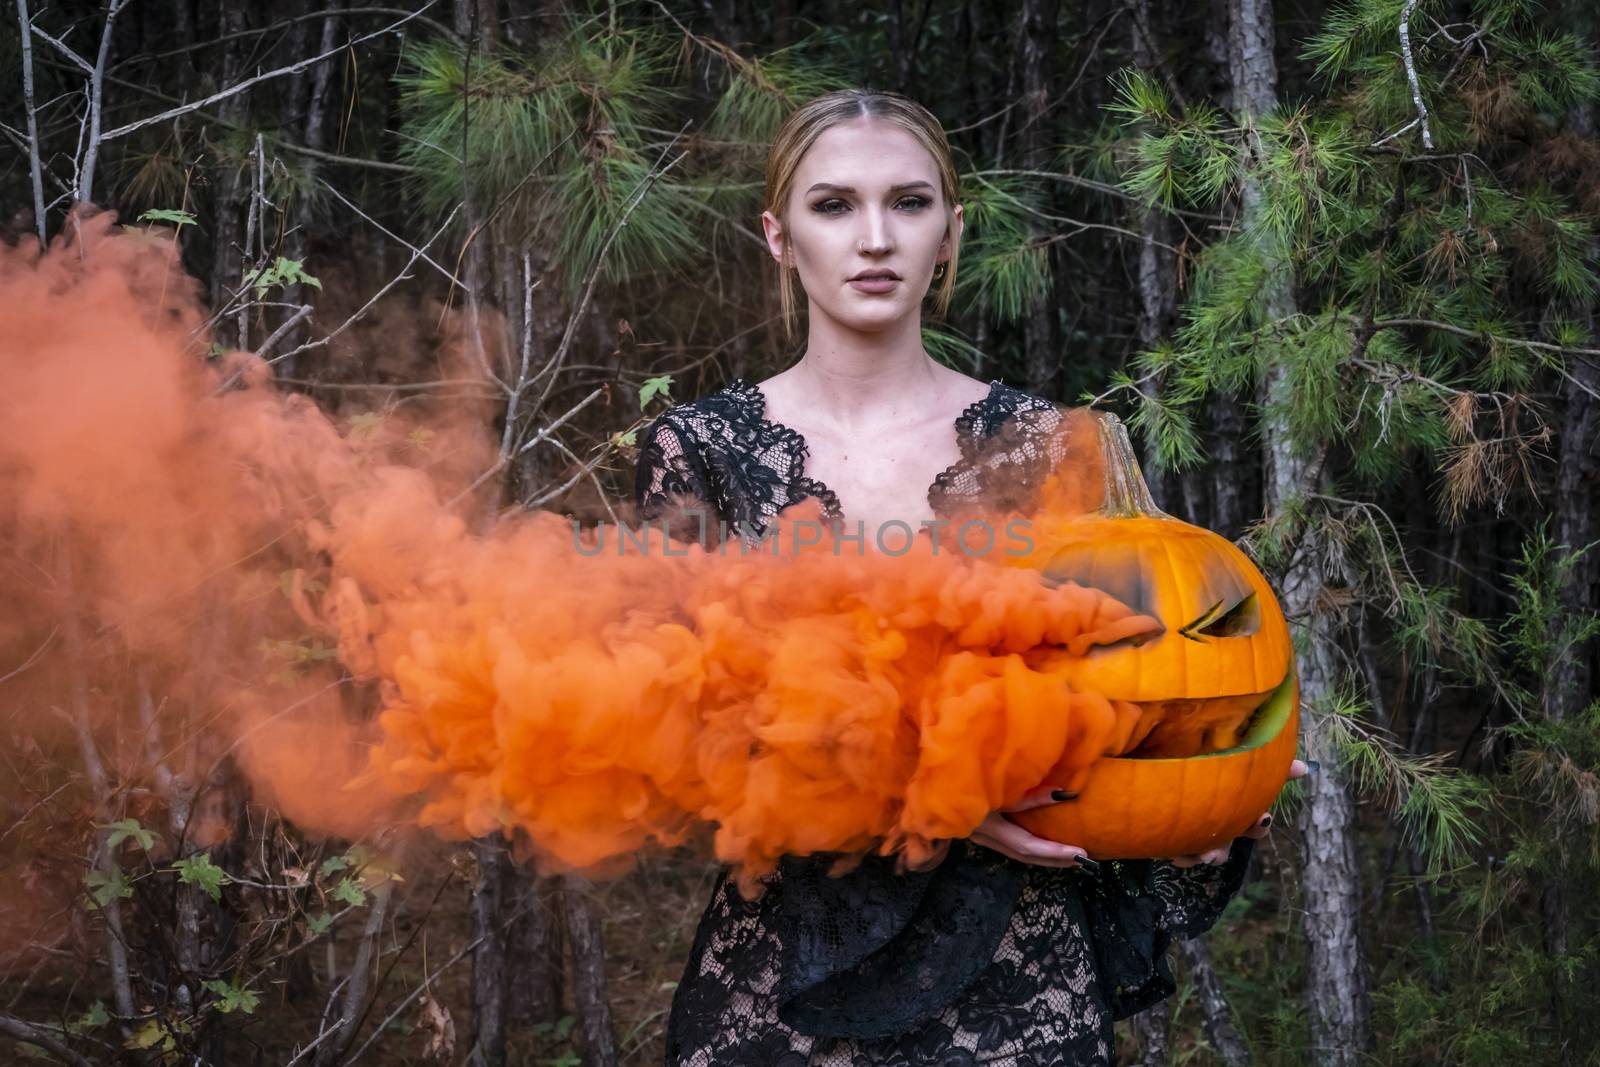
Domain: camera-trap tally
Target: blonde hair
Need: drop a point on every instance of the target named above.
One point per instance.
(801, 130)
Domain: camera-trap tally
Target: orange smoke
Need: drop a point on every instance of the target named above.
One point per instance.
(230, 573)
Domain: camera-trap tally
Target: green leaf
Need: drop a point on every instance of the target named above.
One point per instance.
(162, 214)
(95, 1017)
(282, 271)
(231, 998)
(121, 831)
(652, 388)
(107, 885)
(366, 424)
(319, 924)
(151, 1035)
(200, 871)
(333, 864)
(350, 892)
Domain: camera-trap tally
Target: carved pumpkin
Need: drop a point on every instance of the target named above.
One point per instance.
(1217, 699)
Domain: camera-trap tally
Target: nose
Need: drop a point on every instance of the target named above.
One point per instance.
(877, 239)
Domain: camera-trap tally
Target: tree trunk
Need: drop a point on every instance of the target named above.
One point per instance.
(589, 998)
(533, 984)
(1036, 45)
(1571, 686)
(1337, 986)
(1217, 1014)
(314, 135)
(488, 1048)
(1152, 1027)
(1158, 275)
(233, 183)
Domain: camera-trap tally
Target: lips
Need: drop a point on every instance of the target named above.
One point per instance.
(875, 275)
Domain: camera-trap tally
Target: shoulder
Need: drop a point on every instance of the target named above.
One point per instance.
(1006, 404)
(709, 420)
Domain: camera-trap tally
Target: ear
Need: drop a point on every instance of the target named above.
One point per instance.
(957, 225)
(775, 236)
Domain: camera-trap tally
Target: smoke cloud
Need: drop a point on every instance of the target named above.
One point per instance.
(204, 573)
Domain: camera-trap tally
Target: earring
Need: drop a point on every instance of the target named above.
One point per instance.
(938, 271)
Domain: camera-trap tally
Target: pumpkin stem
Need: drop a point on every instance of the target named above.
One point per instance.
(1127, 494)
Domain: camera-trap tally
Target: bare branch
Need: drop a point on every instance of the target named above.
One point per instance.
(35, 170)
(1411, 72)
(65, 49)
(34, 1035)
(355, 996)
(278, 334)
(1479, 335)
(293, 68)
(97, 84)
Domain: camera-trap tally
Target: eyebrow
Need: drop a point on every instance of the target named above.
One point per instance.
(830, 187)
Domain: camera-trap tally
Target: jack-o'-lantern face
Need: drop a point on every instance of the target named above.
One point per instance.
(1224, 644)
(1216, 698)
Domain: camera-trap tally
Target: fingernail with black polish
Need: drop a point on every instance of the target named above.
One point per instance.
(1062, 794)
(1312, 766)
(1266, 820)
(1092, 866)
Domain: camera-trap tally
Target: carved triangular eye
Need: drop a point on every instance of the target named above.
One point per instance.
(1240, 620)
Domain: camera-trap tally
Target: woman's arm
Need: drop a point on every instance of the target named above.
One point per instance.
(671, 485)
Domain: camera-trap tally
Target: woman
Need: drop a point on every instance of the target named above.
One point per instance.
(1013, 950)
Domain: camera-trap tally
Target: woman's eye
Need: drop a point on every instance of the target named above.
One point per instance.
(826, 206)
(915, 201)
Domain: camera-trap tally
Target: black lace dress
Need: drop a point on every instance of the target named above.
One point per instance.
(981, 960)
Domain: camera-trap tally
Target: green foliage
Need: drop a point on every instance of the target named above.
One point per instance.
(232, 998)
(179, 219)
(654, 387)
(1004, 268)
(129, 829)
(279, 272)
(107, 884)
(349, 891)
(198, 870)
(563, 145)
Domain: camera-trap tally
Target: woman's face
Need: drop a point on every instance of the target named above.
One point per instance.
(865, 199)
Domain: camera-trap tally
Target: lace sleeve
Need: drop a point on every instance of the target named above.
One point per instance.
(671, 485)
(1192, 898)
(1136, 908)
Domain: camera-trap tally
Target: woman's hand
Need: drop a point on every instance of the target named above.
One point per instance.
(1009, 839)
(1219, 855)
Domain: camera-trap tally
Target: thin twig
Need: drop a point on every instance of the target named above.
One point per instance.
(437, 27)
(293, 68)
(454, 280)
(353, 319)
(500, 464)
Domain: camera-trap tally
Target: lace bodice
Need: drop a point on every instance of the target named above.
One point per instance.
(980, 959)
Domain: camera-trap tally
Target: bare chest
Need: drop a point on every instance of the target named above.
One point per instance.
(882, 480)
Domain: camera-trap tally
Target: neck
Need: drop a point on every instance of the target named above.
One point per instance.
(859, 377)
